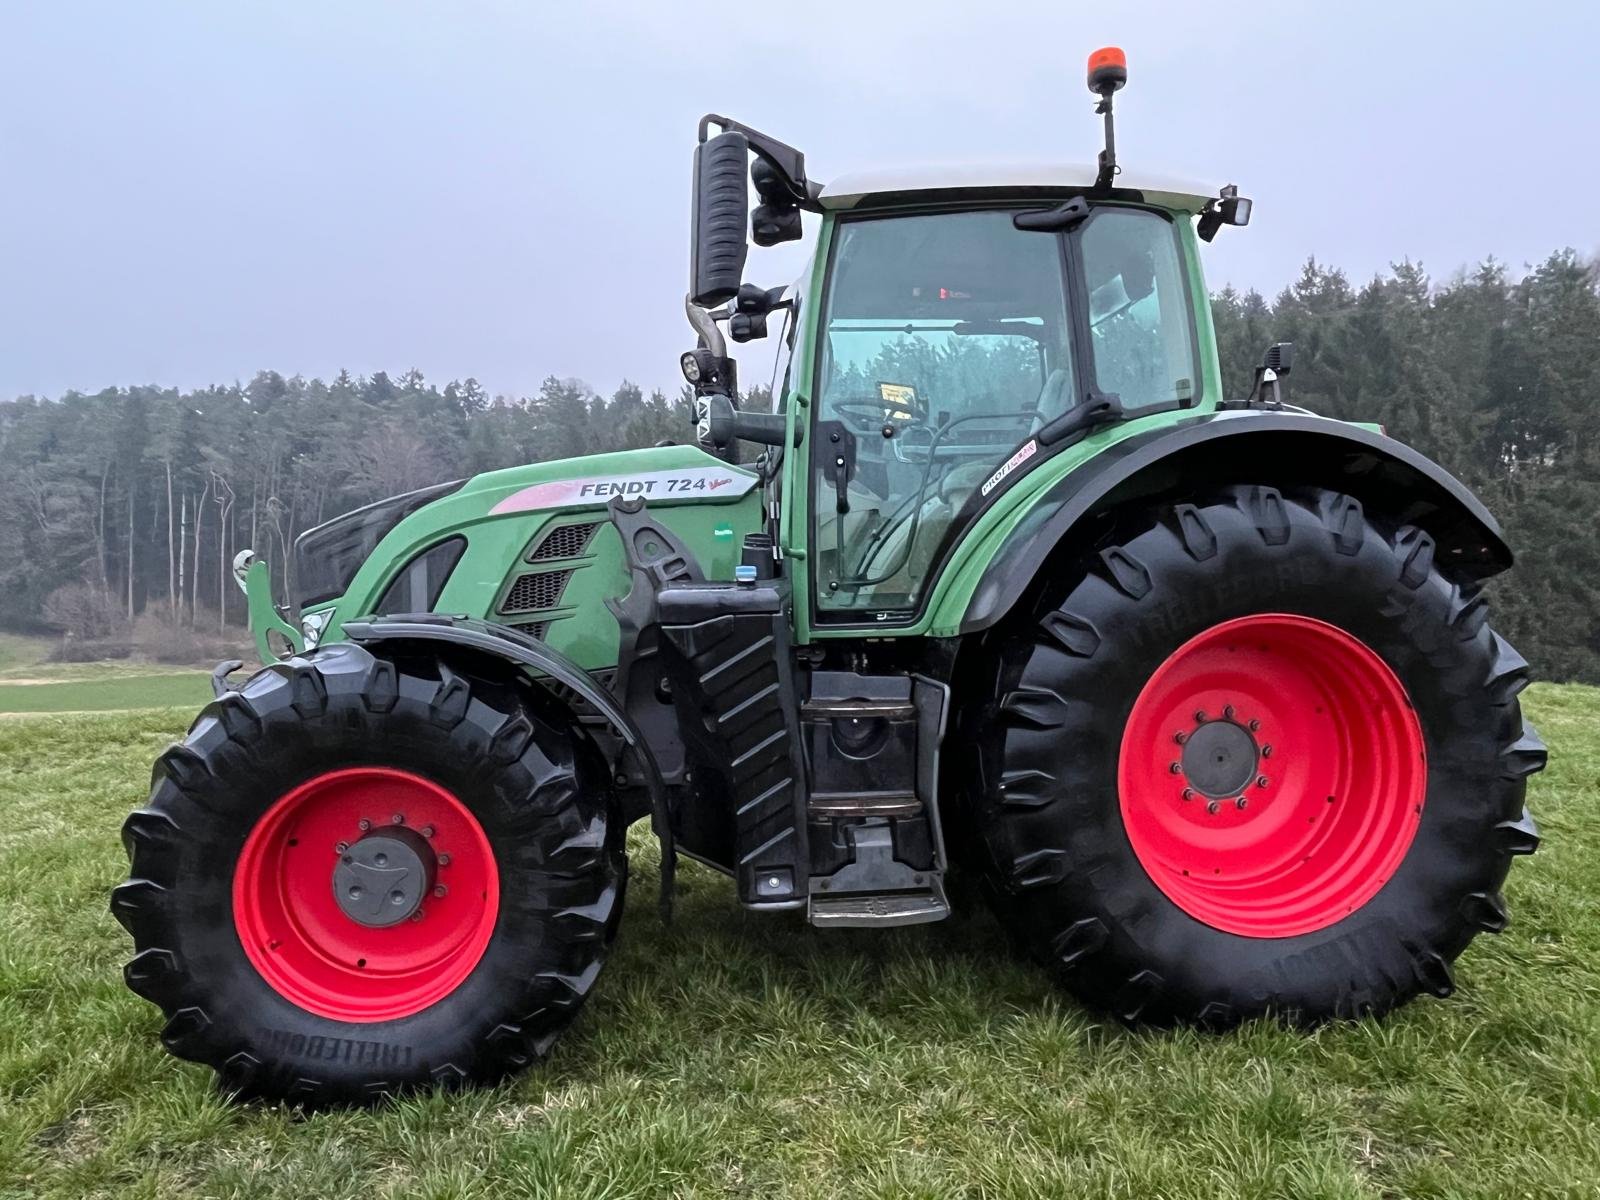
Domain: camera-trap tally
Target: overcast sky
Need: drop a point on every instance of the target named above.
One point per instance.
(193, 192)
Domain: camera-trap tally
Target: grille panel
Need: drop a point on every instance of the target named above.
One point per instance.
(535, 591)
(565, 541)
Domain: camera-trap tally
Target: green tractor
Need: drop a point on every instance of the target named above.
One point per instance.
(1199, 690)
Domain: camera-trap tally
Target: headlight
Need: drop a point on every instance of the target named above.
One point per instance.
(312, 626)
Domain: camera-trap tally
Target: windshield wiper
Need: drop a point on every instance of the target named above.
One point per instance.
(1049, 220)
(1098, 409)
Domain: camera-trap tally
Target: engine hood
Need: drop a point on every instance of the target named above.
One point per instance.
(660, 474)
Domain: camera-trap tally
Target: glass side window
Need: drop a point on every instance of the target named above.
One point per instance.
(1138, 308)
(945, 343)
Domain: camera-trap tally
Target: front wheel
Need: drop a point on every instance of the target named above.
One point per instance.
(1260, 755)
(359, 875)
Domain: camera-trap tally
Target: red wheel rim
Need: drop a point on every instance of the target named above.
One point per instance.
(1271, 775)
(306, 946)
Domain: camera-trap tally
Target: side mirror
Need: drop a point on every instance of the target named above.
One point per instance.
(721, 209)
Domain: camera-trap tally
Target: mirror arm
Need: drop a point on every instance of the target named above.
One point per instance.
(789, 163)
(706, 327)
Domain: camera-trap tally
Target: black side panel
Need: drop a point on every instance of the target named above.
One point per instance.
(327, 558)
(727, 654)
(416, 588)
(1271, 448)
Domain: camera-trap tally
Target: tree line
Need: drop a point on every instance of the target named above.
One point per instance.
(130, 503)
(1496, 378)
(127, 505)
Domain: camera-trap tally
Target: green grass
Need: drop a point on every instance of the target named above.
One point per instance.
(31, 684)
(108, 691)
(745, 1055)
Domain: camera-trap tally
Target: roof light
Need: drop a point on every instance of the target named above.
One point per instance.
(1108, 70)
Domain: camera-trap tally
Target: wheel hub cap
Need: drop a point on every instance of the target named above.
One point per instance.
(382, 879)
(1219, 759)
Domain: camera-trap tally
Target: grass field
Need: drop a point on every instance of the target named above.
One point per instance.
(29, 683)
(188, 689)
(745, 1055)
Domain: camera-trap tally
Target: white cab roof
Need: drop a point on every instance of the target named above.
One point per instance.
(847, 191)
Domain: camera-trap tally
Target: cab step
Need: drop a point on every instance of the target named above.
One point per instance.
(872, 749)
(827, 805)
(882, 911)
(876, 888)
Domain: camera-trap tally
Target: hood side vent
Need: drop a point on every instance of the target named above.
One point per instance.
(535, 591)
(564, 541)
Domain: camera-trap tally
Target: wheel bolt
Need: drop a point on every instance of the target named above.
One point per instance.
(444, 860)
(340, 847)
(1240, 802)
(398, 819)
(1261, 781)
(1188, 793)
(363, 824)
(1200, 715)
(427, 831)
(416, 916)
(1266, 751)
(1212, 806)
(441, 891)
(1176, 768)
(1228, 712)
(1254, 724)
(1180, 737)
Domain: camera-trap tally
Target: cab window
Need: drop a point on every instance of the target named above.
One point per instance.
(945, 343)
(1138, 308)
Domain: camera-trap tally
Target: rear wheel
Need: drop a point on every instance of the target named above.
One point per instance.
(1259, 755)
(356, 876)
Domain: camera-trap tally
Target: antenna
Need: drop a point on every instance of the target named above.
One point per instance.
(1108, 71)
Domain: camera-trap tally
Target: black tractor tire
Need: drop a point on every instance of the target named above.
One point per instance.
(544, 827)
(1056, 692)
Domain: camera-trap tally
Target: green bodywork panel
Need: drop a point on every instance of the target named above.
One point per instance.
(711, 523)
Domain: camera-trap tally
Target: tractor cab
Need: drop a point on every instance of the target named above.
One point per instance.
(949, 339)
(957, 328)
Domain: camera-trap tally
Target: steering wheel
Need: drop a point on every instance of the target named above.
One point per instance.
(874, 414)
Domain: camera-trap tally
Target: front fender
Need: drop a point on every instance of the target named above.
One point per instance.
(1274, 448)
(530, 654)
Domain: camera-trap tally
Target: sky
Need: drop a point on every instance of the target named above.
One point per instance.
(191, 192)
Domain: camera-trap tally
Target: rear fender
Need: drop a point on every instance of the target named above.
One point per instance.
(1278, 449)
